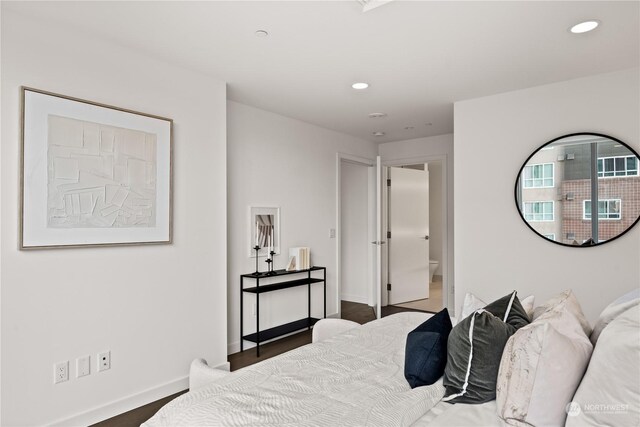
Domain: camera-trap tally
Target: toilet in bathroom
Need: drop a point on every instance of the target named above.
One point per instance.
(433, 266)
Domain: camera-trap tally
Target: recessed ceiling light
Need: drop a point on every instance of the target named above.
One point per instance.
(261, 33)
(408, 128)
(360, 85)
(377, 115)
(378, 133)
(584, 27)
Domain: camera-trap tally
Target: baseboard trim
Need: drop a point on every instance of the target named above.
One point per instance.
(226, 366)
(354, 298)
(125, 404)
(233, 347)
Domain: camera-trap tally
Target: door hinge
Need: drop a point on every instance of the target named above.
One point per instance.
(388, 234)
(388, 286)
(389, 183)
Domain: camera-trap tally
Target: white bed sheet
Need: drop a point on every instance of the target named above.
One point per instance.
(353, 379)
(461, 415)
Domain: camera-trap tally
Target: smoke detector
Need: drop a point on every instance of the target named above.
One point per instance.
(378, 133)
(377, 115)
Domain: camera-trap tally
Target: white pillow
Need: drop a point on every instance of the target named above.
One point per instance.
(472, 303)
(614, 310)
(527, 304)
(541, 367)
(609, 393)
(565, 300)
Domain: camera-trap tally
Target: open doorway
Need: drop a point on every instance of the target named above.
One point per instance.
(437, 287)
(356, 220)
(415, 226)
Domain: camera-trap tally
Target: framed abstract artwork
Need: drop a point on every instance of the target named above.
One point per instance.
(93, 174)
(264, 230)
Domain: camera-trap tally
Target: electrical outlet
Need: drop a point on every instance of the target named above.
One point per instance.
(61, 372)
(332, 233)
(104, 361)
(83, 366)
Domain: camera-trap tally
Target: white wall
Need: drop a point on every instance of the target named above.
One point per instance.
(354, 252)
(277, 161)
(424, 150)
(495, 251)
(155, 307)
(435, 214)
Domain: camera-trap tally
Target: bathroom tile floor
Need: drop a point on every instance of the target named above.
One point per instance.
(433, 303)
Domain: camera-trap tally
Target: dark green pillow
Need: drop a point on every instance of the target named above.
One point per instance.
(517, 315)
(475, 347)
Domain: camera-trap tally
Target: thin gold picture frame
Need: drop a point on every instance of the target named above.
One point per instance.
(23, 91)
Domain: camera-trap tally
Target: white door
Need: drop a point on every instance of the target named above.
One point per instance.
(377, 286)
(355, 249)
(409, 242)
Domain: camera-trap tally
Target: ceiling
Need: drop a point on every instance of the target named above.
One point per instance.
(419, 57)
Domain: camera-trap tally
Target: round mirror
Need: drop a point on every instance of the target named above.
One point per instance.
(580, 190)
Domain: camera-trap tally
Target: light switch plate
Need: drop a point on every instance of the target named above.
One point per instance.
(83, 366)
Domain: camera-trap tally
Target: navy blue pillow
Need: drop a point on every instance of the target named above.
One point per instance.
(426, 350)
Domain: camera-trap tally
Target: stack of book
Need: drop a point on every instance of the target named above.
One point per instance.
(299, 259)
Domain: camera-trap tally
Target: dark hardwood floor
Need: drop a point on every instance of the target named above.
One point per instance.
(360, 313)
(267, 351)
(393, 309)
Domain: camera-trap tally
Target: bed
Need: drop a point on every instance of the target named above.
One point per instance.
(354, 375)
(354, 378)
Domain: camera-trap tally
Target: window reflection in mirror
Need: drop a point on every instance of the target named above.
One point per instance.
(558, 184)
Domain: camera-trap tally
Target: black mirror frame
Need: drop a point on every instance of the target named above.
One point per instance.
(515, 191)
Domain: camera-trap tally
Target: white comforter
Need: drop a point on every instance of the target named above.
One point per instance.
(353, 379)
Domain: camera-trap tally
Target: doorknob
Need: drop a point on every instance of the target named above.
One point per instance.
(375, 242)
(425, 237)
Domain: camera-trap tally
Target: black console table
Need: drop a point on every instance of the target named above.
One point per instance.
(277, 331)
